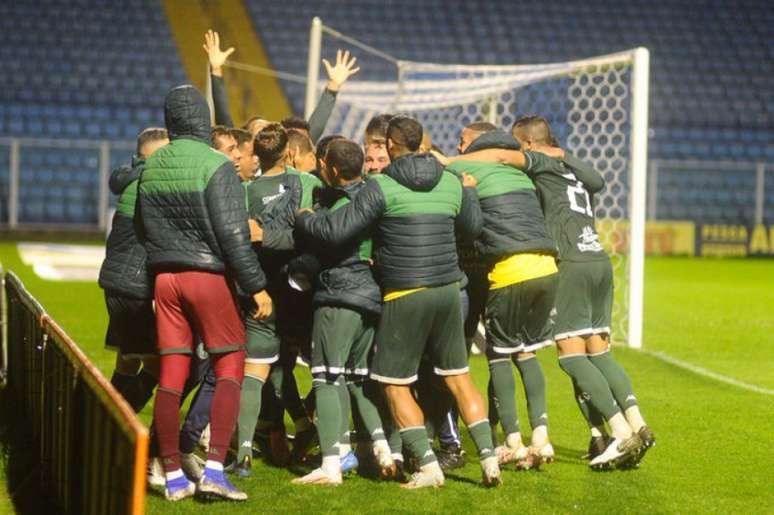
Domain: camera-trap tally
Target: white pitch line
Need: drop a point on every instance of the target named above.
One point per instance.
(708, 373)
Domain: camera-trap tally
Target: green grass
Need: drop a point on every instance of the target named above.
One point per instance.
(714, 451)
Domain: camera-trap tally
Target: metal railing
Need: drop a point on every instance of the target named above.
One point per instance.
(93, 449)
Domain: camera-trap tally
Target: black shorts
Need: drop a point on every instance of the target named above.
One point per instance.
(132, 326)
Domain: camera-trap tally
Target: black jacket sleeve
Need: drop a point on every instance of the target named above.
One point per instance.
(470, 220)
(226, 208)
(279, 217)
(322, 113)
(346, 223)
(220, 102)
(585, 173)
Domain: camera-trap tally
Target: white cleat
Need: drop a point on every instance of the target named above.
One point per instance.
(425, 479)
(193, 466)
(318, 477)
(387, 467)
(490, 472)
(617, 450)
(156, 473)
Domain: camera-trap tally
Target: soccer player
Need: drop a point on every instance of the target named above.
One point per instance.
(276, 184)
(128, 286)
(347, 304)
(413, 207)
(248, 161)
(376, 158)
(223, 141)
(194, 228)
(519, 253)
(301, 155)
(585, 297)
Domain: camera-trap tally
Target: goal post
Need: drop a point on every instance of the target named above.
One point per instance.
(597, 108)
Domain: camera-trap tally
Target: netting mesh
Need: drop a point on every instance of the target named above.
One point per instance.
(586, 102)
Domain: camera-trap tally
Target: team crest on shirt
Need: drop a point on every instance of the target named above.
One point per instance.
(589, 240)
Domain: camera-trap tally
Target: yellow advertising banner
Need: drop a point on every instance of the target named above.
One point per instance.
(662, 238)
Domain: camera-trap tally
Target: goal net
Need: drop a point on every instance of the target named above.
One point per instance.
(597, 108)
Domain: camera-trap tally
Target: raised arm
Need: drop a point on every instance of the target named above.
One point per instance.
(337, 76)
(346, 223)
(217, 59)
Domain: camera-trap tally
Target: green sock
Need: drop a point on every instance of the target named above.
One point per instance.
(249, 406)
(328, 406)
(415, 440)
(591, 381)
(591, 415)
(534, 389)
(369, 415)
(481, 434)
(504, 388)
(619, 381)
(345, 409)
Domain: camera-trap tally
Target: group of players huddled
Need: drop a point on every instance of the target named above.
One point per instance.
(235, 252)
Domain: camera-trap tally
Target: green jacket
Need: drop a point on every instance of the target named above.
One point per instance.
(412, 210)
(191, 203)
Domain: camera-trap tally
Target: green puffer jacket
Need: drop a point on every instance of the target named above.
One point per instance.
(124, 270)
(412, 210)
(513, 219)
(191, 202)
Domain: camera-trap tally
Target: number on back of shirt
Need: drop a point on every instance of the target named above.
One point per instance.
(579, 199)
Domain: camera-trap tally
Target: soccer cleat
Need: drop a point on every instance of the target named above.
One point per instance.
(425, 479)
(618, 451)
(156, 473)
(242, 468)
(302, 442)
(597, 446)
(214, 484)
(506, 454)
(536, 457)
(490, 472)
(193, 466)
(318, 477)
(450, 457)
(349, 462)
(179, 488)
(648, 441)
(384, 461)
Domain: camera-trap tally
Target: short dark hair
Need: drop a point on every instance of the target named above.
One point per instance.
(482, 127)
(535, 128)
(377, 126)
(346, 157)
(405, 132)
(241, 136)
(150, 134)
(270, 144)
(219, 131)
(295, 122)
(299, 140)
(322, 145)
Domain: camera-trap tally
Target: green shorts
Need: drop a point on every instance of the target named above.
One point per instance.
(584, 300)
(518, 317)
(341, 341)
(428, 321)
(263, 342)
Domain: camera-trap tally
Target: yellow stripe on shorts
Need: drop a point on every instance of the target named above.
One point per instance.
(519, 268)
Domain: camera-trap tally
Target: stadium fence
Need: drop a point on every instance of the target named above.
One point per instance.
(92, 448)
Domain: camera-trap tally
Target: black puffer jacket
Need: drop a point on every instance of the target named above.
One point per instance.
(342, 274)
(124, 270)
(412, 209)
(191, 203)
(513, 218)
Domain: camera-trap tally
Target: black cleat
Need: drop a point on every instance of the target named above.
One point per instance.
(450, 457)
(597, 446)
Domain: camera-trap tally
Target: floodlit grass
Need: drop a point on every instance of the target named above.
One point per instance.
(714, 440)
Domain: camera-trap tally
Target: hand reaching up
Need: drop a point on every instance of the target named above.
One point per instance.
(216, 56)
(342, 71)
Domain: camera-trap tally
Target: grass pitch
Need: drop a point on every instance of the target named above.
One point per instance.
(714, 451)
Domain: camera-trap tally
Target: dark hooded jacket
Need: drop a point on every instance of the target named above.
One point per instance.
(124, 269)
(513, 218)
(412, 210)
(342, 274)
(191, 202)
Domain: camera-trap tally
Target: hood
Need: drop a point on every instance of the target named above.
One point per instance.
(495, 139)
(186, 114)
(123, 176)
(417, 172)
